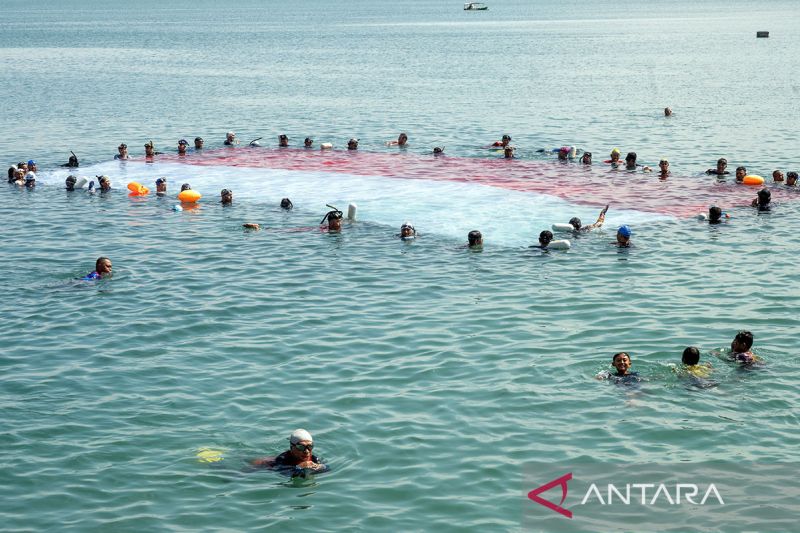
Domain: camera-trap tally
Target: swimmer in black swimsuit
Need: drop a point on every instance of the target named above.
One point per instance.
(475, 239)
(622, 362)
(286, 204)
(762, 201)
(545, 238)
(722, 163)
(575, 222)
(298, 459)
(226, 197)
(334, 219)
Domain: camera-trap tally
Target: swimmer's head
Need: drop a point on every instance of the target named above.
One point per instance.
(301, 444)
(624, 235)
(764, 197)
(283, 140)
(545, 238)
(741, 172)
(667, 112)
(691, 356)
(475, 238)
(742, 342)
(575, 222)
(334, 219)
(161, 184)
(722, 163)
(614, 151)
(73, 161)
(286, 204)
(563, 152)
(407, 230)
(308, 142)
(226, 196)
(185, 187)
(70, 182)
(622, 362)
(122, 148)
(664, 163)
(508, 151)
(230, 136)
(402, 139)
(791, 178)
(506, 139)
(714, 213)
(777, 176)
(182, 142)
(352, 144)
(438, 150)
(102, 265)
(104, 182)
(631, 158)
(586, 159)
(198, 143)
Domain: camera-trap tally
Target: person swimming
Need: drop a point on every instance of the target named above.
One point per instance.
(722, 164)
(72, 162)
(777, 176)
(663, 166)
(198, 143)
(407, 231)
(308, 142)
(102, 269)
(506, 139)
(183, 145)
(230, 139)
(70, 182)
(438, 150)
(104, 182)
(508, 152)
(286, 204)
(624, 237)
(226, 197)
(575, 222)
(474, 239)
(30, 179)
(615, 154)
(401, 141)
(741, 172)
(791, 179)
(334, 220)
(186, 187)
(586, 158)
(740, 347)
(622, 363)
(762, 201)
(630, 163)
(715, 215)
(122, 150)
(352, 144)
(545, 238)
(298, 460)
(161, 186)
(667, 112)
(691, 366)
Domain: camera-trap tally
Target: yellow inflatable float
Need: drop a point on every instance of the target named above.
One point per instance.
(752, 179)
(137, 189)
(207, 455)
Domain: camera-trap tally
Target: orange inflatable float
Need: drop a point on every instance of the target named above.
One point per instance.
(137, 189)
(189, 196)
(752, 179)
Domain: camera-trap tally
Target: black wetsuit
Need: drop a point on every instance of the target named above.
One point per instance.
(285, 464)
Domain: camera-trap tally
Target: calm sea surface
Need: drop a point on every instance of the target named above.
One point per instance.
(428, 374)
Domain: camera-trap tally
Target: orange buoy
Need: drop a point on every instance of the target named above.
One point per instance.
(189, 196)
(752, 179)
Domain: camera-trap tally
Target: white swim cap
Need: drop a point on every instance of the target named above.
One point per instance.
(231, 134)
(299, 435)
(30, 176)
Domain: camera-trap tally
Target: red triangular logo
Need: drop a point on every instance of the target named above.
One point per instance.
(534, 495)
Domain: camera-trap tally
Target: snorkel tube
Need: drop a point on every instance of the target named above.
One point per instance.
(255, 142)
(333, 213)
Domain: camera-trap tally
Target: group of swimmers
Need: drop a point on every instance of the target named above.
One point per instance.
(690, 360)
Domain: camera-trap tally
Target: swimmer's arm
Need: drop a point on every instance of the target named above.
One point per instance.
(264, 462)
(600, 220)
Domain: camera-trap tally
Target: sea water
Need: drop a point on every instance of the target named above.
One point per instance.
(429, 374)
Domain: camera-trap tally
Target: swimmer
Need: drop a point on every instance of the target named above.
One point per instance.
(791, 179)
(286, 204)
(123, 152)
(19, 177)
(741, 172)
(186, 187)
(575, 222)
(251, 226)
(226, 197)
(70, 182)
(586, 159)
(508, 152)
(740, 347)
(149, 149)
(72, 162)
(630, 163)
(23, 165)
(777, 176)
(407, 231)
(614, 156)
(691, 363)
(161, 186)
(715, 215)
(334, 219)
(722, 164)
(622, 363)
(298, 459)
(545, 238)
(102, 269)
(506, 139)
(352, 144)
(623, 237)
(401, 141)
(283, 141)
(32, 166)
(30, 180)
(667, 112)
(198, 143)
(438, 150)
(308, 142)
(762, 201)
(104, 182)
(183, 145)
(663, 166)
(230, 139)
(475, 239)
(563, 153)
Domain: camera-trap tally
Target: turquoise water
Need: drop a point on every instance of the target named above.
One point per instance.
(428, 374)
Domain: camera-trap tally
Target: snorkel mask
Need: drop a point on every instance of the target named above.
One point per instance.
(334, 213)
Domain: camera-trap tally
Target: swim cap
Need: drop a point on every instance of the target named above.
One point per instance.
(506, 137)
(300, 435)
(664, 160)
(230, 134)
(30, 176)
(159, 181)
(31, 162)
(625, 231)
(407, 224)
(353, 140)
(198, 139)
(286, 203)
(615, 151)
(183, 141)
(185, 187)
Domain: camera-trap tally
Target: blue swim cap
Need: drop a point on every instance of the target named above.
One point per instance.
(625, 231)
(31, 162)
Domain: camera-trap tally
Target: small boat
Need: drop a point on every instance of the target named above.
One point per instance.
(475, 6)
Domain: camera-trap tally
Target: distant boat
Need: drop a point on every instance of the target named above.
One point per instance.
(475, 6)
